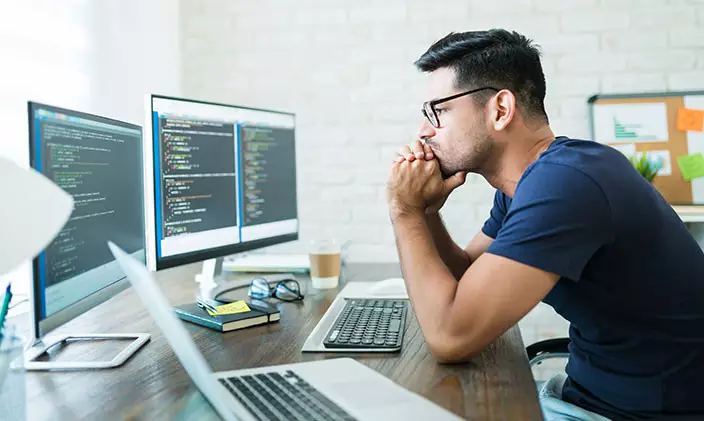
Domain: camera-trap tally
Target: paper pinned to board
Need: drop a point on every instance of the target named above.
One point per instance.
(690, 120)
(628, 149)
(663, 159)
(660, 157)
(692, 166)
(636, 122)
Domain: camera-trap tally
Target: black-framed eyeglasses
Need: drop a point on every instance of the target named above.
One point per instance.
(288, 290)
(431, 113)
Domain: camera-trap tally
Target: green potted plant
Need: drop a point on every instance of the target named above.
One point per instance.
(646, 166)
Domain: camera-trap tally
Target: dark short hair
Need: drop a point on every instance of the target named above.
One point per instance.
(498, 58)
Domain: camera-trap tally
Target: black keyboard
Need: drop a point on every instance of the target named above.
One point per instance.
(372, 324)
(283, 396)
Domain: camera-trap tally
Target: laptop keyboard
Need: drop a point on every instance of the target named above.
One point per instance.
(372, 324)
(283, 396)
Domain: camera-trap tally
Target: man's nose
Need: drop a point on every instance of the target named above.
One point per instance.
(426, 130)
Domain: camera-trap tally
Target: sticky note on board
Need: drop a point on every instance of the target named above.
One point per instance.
(231, 308)
(692, 166)
(690, 120)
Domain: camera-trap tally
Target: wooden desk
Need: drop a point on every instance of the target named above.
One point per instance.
(497, 385)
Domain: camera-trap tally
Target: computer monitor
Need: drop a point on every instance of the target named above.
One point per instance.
(222, 181)
(99, 162)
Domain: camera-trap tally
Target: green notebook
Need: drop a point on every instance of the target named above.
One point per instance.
(258, 315)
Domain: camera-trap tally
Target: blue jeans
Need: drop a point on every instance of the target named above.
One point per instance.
(555, 409)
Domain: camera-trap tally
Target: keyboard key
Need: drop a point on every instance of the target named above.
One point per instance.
(395, 326)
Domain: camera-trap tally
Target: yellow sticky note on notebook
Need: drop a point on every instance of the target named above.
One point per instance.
(231, 308)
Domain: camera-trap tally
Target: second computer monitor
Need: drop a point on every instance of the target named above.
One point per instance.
(222, 180)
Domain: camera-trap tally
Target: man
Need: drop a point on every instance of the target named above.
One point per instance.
(573, 224)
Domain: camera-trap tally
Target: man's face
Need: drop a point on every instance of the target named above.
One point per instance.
(462, 142)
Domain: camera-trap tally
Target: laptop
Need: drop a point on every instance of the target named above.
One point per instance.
(338, 389)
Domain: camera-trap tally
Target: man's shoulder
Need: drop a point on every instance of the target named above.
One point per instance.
(561, 185)
(583, 155)
(573, 162)
(551, 174)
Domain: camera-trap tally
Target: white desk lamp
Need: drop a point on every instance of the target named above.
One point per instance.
(32, 212)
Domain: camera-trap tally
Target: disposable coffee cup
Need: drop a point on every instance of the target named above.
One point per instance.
(324, 264)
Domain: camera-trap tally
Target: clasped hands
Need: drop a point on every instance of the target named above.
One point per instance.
(415, 184)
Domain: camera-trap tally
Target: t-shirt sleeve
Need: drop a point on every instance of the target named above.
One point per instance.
(558, 218)
(496, 216)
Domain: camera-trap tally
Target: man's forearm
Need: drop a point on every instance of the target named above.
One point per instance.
(454, 257)
(430, 284)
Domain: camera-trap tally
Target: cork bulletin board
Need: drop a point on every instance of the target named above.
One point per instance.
(667, 127)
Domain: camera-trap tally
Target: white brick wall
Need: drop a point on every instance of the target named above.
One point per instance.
(97, 57)
(345, 68)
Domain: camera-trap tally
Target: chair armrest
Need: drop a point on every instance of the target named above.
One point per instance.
(548, 346)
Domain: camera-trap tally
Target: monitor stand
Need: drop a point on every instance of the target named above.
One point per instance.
(40, 348)
(213, 283)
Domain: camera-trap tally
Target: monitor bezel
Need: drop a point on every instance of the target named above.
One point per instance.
(42, 326)
(153, 261)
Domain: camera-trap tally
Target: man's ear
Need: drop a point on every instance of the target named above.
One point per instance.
(503, 106)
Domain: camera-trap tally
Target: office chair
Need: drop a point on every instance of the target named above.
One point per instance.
(557, 348)
(542, 350)
(549, 348)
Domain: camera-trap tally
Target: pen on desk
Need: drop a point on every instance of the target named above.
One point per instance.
(5, 306)
(205, 305)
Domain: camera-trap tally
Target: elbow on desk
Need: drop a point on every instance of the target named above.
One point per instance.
(449, 350)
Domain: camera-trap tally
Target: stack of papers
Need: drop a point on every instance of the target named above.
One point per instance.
(296, 263)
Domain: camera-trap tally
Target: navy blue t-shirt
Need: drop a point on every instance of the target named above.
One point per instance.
(631, 278)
